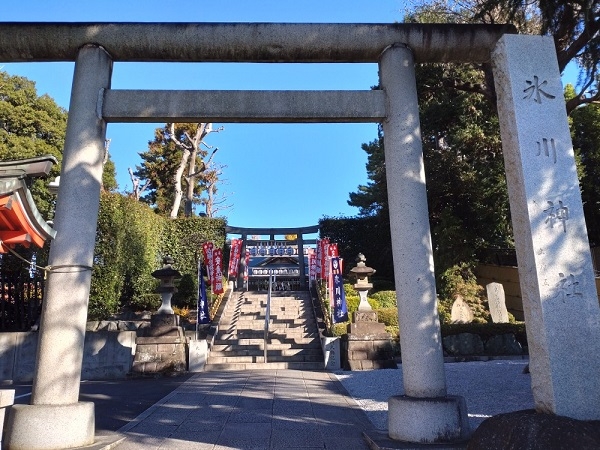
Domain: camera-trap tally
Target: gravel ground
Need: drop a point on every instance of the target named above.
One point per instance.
(489, 388)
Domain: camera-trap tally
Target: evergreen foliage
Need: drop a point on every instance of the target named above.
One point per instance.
(31, 125)
(131, 241)
(369, 235)
(586, 141)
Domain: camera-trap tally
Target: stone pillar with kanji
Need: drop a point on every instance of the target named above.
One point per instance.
(560, 301)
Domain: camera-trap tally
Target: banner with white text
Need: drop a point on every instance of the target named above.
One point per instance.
(338, 297)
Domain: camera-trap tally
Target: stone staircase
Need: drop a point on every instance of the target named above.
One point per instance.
(293, 340)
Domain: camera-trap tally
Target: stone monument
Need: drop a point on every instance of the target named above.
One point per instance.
(497, 302)
(367, 345)
(560, 301)
(461, 311)
(161, 348)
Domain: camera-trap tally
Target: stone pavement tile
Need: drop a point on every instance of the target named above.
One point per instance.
(254, 403)
(177, 444)
(285, 422)
(191, 440)
(246, 446)
(300, 436)
(229, 399)
(152, 429)
(245, 435)
(201, 425)
(253, 416)
(340, 443)
(336, 430)
(135, 441)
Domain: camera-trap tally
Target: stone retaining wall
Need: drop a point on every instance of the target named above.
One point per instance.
(106, 355)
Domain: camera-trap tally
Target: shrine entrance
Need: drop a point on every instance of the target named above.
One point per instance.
(531, 110)
(268, 252)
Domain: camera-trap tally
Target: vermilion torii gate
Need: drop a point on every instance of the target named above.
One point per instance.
(559, 293)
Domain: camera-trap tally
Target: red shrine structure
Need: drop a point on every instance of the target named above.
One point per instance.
(20, 220)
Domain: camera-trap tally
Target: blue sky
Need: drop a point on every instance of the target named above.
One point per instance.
(276, 175)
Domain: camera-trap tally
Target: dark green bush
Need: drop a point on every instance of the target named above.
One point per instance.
(131, 241)
(460, 280)
(386, 299)
(388, 316)
(352, 303)
(187, 293)
(145, 302)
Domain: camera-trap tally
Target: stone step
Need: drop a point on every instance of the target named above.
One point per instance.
(252, 326)
(249, 321)
(264, 366)
(249, 341)
(274, 346)
(261, 308)
(261, 359)
(228, 350)
(227, 335)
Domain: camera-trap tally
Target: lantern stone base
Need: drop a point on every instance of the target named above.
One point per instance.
(161, 348)
(367, 345)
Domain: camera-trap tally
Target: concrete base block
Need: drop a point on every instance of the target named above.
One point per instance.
(197, 357)
(428, 420)
(50, 427)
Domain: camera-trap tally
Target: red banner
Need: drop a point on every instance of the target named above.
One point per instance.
(217, 281)
(234, 257)
(312, 265)
(207, 252)
(246, 265)
(332, 250)
(323, 244)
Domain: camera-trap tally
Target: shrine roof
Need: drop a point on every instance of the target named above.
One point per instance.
(20, 220)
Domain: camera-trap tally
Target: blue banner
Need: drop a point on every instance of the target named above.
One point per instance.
(340, 308)
(203, 317)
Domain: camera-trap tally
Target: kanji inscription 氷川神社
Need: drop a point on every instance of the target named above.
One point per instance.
(549, 228)
(534, 90)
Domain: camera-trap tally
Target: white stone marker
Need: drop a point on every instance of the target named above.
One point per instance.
(497, 302)
(425, 413)
(555, 266)
(461, 311)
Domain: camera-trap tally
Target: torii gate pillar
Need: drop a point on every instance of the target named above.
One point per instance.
(62, 329)
(425, 413)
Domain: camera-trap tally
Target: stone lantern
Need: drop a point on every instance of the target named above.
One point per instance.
(167, 276)
(362, 286)
(161, 347)
(366, 345)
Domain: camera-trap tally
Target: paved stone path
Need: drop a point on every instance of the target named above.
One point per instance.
(252, 410)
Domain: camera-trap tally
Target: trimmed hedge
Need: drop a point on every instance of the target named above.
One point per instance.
(131, 241)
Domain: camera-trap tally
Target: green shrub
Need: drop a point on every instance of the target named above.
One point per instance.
(386, 299)
(445, 310)
(131, 241)
(373, 302)
(187, 293)
(340, 329)
(460, 280)
(349, 290)
(352, 303)
(145, 302)
(388, 316)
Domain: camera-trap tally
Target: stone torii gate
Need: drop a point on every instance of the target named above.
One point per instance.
(559, 295)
